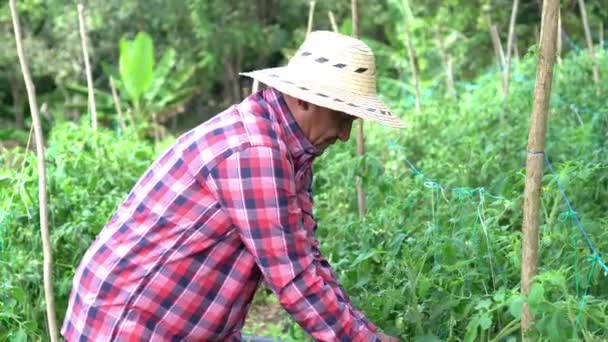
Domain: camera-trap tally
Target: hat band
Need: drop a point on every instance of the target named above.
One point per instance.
(330, 77)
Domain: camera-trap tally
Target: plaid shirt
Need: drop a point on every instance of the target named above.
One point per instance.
(229, 203)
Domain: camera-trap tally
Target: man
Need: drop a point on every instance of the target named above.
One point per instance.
(228, 204)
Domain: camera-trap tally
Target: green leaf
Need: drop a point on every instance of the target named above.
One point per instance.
(423, 286)
(427, 338)
(136, 64)
(161, 74)
(485, 321)
(395, 245)
(554, 330)
(536, 297)
(499, 296)
(515, 305)
(471, 331)
(19, 336)
(484, 304)
(363, 257)
(346, 27)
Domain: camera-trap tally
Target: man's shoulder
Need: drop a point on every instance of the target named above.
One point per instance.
(233, 130)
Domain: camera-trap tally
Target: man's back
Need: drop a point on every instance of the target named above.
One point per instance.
(169, 263)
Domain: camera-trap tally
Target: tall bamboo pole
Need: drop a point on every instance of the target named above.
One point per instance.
(412, 59)
(447, 62)
(311, 14)
(596, 75)
(559, 35)
(535, 157)
(85, 56)
(515, 49)
(42, 196)
(332, 20)
(601, 34)
(507, 78)
(500, 55)
(360, 138)
(121, 119)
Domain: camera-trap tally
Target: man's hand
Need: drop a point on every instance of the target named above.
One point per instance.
(386, 338)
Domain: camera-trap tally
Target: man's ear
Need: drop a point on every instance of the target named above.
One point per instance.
(305, 106)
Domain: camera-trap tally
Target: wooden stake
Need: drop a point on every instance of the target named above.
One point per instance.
(601, 34)
(535, 158)
(507, 74)
(412, 59)
(17, 102)
(85, 56)
(360, 138)
(42, 196)
(447, 62)
(155, 128)
(500, 55)
(596, 76)
(559, 36)
(542, 19)
(355, 14)
(121, 119)
(332, 20)
(311, 14)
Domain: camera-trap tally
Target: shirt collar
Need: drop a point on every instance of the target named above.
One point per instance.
(297, 143)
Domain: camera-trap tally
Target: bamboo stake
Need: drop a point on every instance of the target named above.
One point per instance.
(121, 119)
(601, 34)
(44, 225)
(507, 78)
(515, 48)
(311, 14)
(500, 55)
(85, 56)
(596, 76)
(542, 19)
(559, 36)
(535, 158)
(155, 129)
(412, 59)
(447, 62)
(332, 20)
(360, 138)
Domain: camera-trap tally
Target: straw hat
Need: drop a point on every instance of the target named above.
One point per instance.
(333, 71)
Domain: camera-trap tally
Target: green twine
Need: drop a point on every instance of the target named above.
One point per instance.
(590, 275)
(463, 193)
(569, 214)
(594, 260)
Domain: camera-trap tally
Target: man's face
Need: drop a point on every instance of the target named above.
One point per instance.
(327, 126)
(322, 126)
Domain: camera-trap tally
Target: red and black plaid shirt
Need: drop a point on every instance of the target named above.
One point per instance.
(229, 203)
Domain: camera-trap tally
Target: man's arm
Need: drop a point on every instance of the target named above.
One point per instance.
(326, 271)
(256, 186)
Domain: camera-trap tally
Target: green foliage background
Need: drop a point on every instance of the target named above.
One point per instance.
(425, 264)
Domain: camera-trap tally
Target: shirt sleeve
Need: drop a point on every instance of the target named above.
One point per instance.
(257, 188)
(328, 275)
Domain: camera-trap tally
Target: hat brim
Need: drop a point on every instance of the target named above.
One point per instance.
(365, 107)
